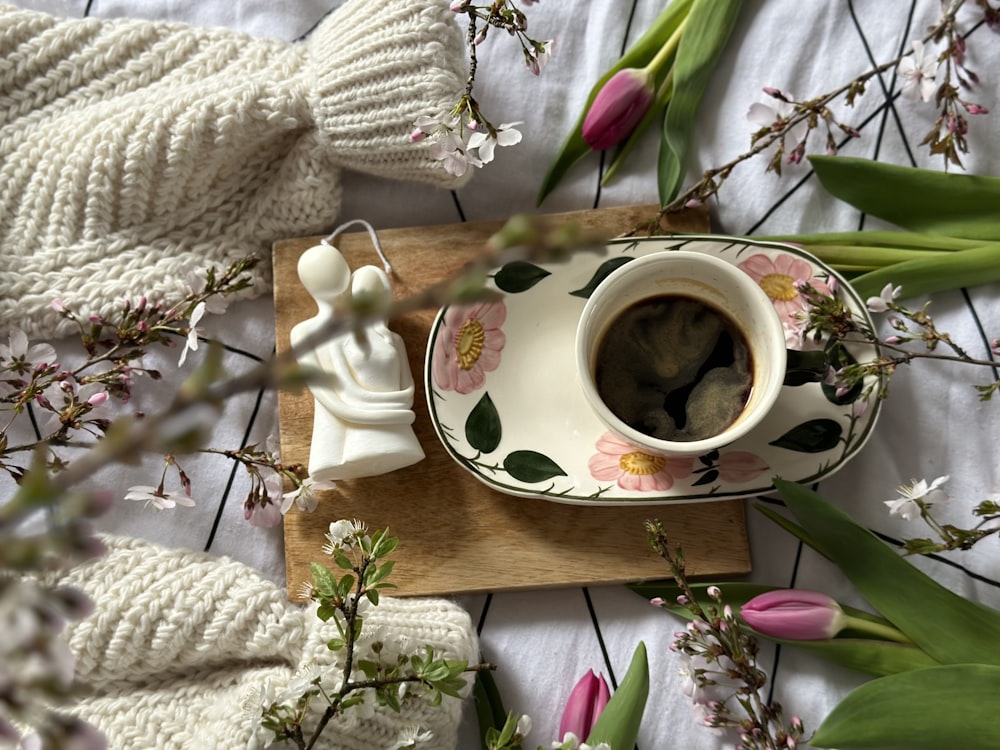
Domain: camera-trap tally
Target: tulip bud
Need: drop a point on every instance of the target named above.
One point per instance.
(795, 614)
(585, 704)
(618, 108)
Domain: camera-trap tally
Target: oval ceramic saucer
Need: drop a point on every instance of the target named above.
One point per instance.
(505, 401)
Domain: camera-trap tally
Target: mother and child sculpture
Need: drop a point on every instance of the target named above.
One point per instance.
(362, 424)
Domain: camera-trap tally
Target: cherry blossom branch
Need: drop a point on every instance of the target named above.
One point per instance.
(947, 137)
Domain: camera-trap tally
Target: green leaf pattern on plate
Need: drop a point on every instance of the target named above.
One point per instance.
(531, 466)
(482, 428)
(602, 272)
(519, 276)
(814, 436)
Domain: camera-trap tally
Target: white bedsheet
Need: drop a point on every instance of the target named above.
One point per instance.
(932, 424)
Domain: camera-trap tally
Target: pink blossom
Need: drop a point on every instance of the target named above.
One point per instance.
(634, 468)
(469, 345)
(266, 511)
(741, 466)
(781, 278)
(537, 58)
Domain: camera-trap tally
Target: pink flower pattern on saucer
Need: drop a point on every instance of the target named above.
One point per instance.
(469, 346)
(780, 278)
(634, 469)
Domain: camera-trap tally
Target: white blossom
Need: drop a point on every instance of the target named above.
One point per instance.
(918, 74)
(193, 332)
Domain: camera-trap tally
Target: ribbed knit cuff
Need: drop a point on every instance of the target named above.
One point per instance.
(375, 67)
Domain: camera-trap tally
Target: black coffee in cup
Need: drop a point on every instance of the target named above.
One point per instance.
(674, 368)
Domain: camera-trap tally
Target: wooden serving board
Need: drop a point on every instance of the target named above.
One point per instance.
(456, 534)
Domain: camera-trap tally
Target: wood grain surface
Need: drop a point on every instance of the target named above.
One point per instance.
(456, 534)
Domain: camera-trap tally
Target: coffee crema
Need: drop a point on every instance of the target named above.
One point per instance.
(675, 368)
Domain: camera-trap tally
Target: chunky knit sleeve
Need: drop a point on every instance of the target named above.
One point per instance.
(133, 152)
(181, 644)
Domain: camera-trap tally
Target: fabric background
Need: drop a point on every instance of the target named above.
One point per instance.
(932, 424)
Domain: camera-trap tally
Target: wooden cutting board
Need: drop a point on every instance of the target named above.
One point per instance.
(456, 534)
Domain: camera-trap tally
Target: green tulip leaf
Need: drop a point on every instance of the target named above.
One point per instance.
(490, 711)
(530, 466)
(788, 525)
(519, 276)
(920, 200)
(618, 724)
(867, 655)
(814, 436)
(924, 709)
(482, 426)
(639, 55)
(948, 627)
(934, 273)
(603, 271)
(708, 26)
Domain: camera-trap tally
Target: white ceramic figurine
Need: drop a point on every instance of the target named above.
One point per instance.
(363, 412)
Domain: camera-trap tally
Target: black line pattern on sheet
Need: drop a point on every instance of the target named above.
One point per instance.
(983, 336)
(317, 22)
(225, 346)
(776, 663)
(886, 91)
(788, 194)
(33, 418)
(943, 560)
(232, 472)
(482, 615)
(458, 206)
(600, 637)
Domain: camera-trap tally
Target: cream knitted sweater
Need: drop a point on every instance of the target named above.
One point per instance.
(179, 642)
(133, 152)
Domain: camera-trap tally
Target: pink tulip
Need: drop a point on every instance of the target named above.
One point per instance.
(618, 107)
(585, 704)
(795, 614)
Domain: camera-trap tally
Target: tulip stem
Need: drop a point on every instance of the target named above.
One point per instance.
(668, 50)
(876, 629)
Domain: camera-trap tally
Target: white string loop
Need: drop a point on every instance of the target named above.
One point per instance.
(386, 265)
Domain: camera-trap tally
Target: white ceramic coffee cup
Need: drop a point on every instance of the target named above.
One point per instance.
(709, 280)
